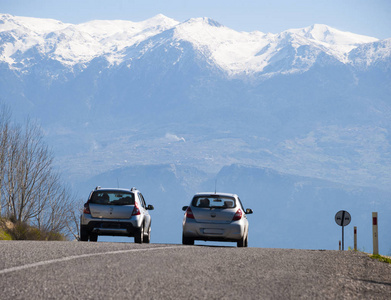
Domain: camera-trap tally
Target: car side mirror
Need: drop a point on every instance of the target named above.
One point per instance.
(249, 211)
(184, 208)
(150, 207)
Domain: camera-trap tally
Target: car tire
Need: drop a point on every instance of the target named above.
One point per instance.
(147, 237)
(83, 234)
(187, 241)
(93, 237)
(246, 242)
(139, 236)
(242, 242)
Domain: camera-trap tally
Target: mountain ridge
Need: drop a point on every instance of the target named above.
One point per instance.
(235, 52)
(293, 104)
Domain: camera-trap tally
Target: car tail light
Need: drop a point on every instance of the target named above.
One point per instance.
(87, 208)
(189, 213)
(136, 210)
(238, 215)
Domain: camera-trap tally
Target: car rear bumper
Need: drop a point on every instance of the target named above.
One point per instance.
(113, 227)
(233, 231)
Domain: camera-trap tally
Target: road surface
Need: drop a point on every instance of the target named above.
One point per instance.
(76, 270)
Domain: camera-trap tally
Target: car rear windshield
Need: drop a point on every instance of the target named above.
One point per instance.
(112, 198)
(214, 201)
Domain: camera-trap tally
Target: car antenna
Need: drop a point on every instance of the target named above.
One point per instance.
(117, 183)
(215, 185)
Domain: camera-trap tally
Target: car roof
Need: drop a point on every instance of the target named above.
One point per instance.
(218, 194)
(114, 189)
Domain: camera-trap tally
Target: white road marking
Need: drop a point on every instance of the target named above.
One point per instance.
(52, 261)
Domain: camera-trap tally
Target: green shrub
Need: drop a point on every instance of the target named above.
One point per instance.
(4, 236)
(54, 236)
(381, 258)
(23, 231)
(18, 231)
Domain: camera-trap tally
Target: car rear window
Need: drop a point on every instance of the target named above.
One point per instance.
(214, 201)
(112, 198)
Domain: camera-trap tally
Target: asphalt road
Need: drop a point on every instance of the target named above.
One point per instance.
(75, 270)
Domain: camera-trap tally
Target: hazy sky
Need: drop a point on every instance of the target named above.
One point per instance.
(367, 17)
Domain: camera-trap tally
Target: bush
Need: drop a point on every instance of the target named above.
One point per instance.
(23, 231)
(20, 231)
(4, 236)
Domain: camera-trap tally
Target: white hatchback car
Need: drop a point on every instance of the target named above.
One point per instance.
(215, 217)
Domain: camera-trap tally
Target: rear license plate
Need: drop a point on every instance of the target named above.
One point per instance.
(213, 231)
(110, 225)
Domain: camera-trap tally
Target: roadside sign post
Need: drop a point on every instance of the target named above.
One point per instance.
(375, 234)
(355, 238)
(342, 218)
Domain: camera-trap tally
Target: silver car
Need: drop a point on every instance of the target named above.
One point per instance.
(116, 212)
(215, 217)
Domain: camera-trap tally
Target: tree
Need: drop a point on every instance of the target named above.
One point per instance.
(56, 215)
(30, 189)
(5, 116)
(29, 175)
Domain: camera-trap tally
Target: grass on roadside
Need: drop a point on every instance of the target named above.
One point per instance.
(12, 230)
(4, 236)
(381, 258)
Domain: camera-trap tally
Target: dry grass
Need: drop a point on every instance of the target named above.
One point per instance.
(22, 231)
(4, 226)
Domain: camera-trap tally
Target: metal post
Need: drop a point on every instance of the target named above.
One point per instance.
(375, 234)
(355, 238)
(342, 218)
(339, 248)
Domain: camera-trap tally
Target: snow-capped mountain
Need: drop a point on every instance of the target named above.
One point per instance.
(313, 101)
(72, 44)
(234, 52)
(241, 52)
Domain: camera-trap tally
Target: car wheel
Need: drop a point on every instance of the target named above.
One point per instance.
(242, 242)
(246, 242)
(138, 238)
(187, 241)
(147, 237)
(93, 237)
(83, 234)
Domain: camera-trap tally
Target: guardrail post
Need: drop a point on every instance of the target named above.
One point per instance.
(375, 234)
(355, 238)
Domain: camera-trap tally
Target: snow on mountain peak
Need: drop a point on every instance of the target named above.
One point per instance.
(231, 50)
(204, 20)
(160, 20)
(125, 30)
(235, 52)
(326, 34)
(36, 25)
(334, 42)
(71, 44)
